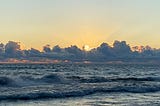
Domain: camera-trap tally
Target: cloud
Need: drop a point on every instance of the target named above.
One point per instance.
(106, 50)
(34, 52)
(47, 49)
(12, 49)
(57, 49)
(75, 51)
(2, 48)
(120, 51)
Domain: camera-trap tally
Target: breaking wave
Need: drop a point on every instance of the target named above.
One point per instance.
(77, 93)
(61, 79)
(62, 86)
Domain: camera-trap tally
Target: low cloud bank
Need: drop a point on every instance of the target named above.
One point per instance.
(120, 51)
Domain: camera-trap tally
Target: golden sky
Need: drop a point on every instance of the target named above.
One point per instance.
(36, 23)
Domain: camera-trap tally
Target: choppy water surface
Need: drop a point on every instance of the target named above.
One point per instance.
(79, 84)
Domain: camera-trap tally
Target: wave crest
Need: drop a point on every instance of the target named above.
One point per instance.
(54, 78)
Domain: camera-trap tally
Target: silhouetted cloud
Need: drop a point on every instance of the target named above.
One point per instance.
(57, 49)
(106, 50)
(12, 49)
(47, 48)
(2, 48)
(34, 52)
(121, 51)
(75, 51)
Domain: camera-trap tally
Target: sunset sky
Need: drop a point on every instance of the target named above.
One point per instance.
(36, 23)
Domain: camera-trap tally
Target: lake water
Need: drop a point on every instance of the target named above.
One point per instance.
(79, 85)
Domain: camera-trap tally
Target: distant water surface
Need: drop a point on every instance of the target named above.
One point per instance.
(79, 84)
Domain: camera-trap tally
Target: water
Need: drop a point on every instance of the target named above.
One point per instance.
(79, 84)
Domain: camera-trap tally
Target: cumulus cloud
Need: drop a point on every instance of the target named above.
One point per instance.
(2, 48)
(75, 51)
(34, 52)
(47, 48)
(106, 50)
(12, 49)
(120, 50)
(57, 49)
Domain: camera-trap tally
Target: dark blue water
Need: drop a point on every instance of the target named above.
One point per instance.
(79, 84)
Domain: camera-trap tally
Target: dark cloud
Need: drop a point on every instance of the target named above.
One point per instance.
(75, 52)
(2, 49)
(57, 49)
(12, 49)
(121, 51)
(106, 50)
(34, 52)
(47, 49)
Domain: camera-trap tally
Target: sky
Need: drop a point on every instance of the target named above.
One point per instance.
(36, 23)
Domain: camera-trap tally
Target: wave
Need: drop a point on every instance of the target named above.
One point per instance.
(21, 81)
(61, 86)
(6, 81)
(62, 79)
(104, 79)
(77, 93)
(54, 78)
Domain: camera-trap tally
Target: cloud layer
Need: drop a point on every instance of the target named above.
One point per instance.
(121, 51)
